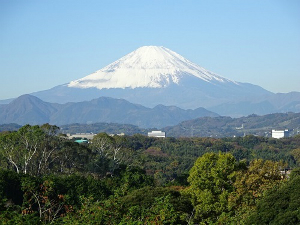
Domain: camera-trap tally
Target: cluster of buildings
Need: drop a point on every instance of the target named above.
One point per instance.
(84, 137)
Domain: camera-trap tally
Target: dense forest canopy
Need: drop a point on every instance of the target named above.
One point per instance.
(47, 178)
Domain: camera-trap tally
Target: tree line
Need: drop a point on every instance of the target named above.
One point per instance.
(47, 178)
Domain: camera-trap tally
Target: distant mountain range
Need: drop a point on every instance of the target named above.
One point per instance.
(216, 127)
(152, 75)
(29, 109)
(220, 126)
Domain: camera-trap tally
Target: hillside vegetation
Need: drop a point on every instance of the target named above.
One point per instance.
(229, 127)
(46, 178)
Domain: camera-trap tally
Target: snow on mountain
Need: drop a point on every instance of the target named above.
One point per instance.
(153, 75)
(148, 66)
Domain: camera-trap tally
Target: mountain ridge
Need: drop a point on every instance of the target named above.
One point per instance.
(29, 109)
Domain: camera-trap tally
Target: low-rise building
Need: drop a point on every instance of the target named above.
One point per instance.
(280, 133)
(157, 133)
(88, 136)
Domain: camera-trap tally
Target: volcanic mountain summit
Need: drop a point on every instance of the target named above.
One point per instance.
(148, 66)
(153, 75)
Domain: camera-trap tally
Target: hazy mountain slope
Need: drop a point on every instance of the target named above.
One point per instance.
(191, 93)
(266, 104)
(242, 108)
(121, 111)
(9, 127)
(26, 109)
(30, 109)
(286, 101)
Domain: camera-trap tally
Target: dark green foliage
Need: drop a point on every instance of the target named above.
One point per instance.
(211, 182)
(143, 206)
(14, 217)
(131, 179)
(10, 189)
(73, 187)
(280, 205)
(58, 194)
(146, 196)
(161, 211)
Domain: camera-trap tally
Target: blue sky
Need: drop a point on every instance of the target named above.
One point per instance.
(47, 43)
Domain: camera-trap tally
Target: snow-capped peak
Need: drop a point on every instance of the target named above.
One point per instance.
(148, 66)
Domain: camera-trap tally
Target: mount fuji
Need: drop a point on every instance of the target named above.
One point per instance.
(153, 75)
(147, 67)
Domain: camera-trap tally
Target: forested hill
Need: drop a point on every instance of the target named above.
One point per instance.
(201, 127)
(228, 127)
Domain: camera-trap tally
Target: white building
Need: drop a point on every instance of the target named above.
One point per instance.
(280, 133)
(157, 133)
(81, 135)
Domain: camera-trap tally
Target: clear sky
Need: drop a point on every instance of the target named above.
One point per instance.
(47, 43)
